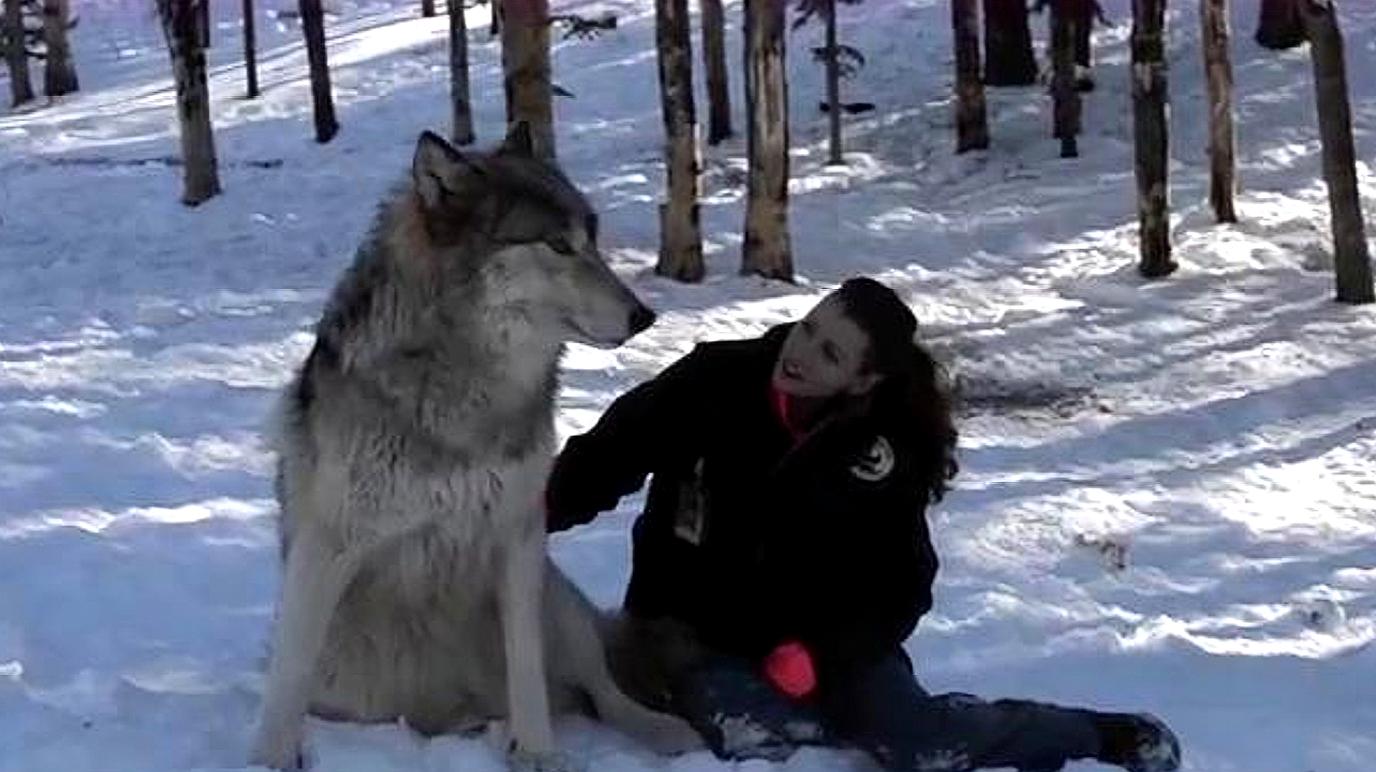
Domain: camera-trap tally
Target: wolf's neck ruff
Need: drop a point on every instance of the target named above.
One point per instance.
(436, 350)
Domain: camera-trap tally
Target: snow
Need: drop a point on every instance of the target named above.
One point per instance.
(1168, 495)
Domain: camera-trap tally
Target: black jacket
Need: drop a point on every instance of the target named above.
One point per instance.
(748, 537)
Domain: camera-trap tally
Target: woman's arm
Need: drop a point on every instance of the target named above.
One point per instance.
(638, 432)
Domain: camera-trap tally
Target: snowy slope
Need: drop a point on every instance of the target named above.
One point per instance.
(1168, 496)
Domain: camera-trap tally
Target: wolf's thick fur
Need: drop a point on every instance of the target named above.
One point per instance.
(414, 446)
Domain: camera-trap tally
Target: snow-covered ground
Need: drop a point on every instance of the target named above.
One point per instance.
(1168, 496)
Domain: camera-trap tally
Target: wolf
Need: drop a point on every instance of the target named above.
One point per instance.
(413, 448)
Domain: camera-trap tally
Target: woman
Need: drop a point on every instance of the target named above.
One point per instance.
(784, 535)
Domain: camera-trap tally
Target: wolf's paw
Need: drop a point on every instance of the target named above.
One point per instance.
(671, 736)
(520, 760)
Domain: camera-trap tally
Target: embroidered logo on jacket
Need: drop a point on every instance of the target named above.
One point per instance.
(877, 462)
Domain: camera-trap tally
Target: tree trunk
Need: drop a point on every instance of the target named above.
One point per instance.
(714, 64)
(1218, 67)
(427, 8)
(833, 63)
(459, 93)
(526, 70)
(203, 22)
(250, 51)
(1350, 257)
(972, 124)
(1065, 98)
(1149, 100)
(59, 75)
(181, 28)
(494, 26)
(313, 25)
(1280, 25)
(766, 250)
(21, 90)
(680, 241)
(1008, 57)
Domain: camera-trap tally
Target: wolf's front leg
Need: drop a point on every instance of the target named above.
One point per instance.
(521, 601)
(314, 580)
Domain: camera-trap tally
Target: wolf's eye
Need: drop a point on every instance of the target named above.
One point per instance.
(560, 244)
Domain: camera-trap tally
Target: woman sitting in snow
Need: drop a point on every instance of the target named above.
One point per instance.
(783, 555)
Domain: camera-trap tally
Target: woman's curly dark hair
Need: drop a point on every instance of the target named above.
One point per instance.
(914, 383)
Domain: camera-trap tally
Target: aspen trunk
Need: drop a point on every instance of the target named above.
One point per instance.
(526, 70)
(181, 29)
(972, 125)
(714, 65)
(767, 249)
(460, 98)
(1218, 67)
(1351, 260)
(680, 241)
(1149, 105)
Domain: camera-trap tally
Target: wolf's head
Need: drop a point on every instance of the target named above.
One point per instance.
(518, 226)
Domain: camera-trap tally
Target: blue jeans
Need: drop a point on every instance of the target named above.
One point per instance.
(882, 709)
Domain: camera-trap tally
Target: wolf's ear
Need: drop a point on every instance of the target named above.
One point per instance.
(439, 170)
(518, 141)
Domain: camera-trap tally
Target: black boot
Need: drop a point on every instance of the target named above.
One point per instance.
(1137, 742)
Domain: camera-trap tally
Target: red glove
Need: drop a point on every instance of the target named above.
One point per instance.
(789, 668)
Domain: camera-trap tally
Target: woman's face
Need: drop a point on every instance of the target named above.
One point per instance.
(824, 355)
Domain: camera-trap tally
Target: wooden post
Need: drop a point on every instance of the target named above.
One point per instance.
(1008, 57)
(714, 65)
(1065, 98)
(1351, 260)
(1279, 26)
(21, 90)
(322, 98)
(680, 240)
(1218, 68)
(181, 30)
(972, 123)
(461, 106)
(526, 70)
(766, 250)
(833, 67)
(250, 52)
(1151, 137)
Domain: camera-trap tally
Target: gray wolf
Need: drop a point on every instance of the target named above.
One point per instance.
(413, 448)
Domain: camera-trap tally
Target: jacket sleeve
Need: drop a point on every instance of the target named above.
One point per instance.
(641, 430)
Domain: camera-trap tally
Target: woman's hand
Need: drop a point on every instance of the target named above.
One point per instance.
(789, 669)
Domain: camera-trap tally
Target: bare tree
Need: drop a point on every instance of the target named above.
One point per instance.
(250, 51)
(1008, 57)
(526, 70)
(313, 26)
(16, 54)
(180, 28)
(767, 250)
(1150, 136)
(680, 241)
(1218, 67)
(59, 73)
(460, 98)
(427, 8)
(1065, 23)
(714, 65)
(972, 123)
(1350, 256)
(1279, 25)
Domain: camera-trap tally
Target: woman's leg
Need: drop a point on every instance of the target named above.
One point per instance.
(742, 716)
(883, 709)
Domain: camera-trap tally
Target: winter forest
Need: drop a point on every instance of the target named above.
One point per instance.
(1137, 234)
